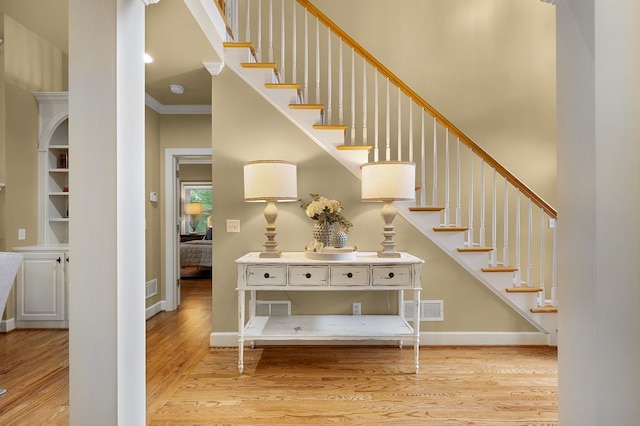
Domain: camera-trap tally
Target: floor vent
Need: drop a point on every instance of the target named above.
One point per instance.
(430, 310)
(273, 308)
(151, 288)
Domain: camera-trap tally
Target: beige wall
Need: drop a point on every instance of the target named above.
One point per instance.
(487, 65)
(153, 249)
(245, 127)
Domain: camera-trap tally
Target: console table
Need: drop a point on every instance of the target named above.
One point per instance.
(295, 272)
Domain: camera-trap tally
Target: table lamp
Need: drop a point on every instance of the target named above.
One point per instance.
(388, 181)
(193, 210)
(270, 181)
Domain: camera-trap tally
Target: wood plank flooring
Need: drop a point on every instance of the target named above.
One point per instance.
(189, 383)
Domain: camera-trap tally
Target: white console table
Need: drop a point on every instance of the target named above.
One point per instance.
(295, 272)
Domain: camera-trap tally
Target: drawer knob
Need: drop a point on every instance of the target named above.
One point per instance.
(350, 275)
(266, 275)
(308, 275)
(391, 274)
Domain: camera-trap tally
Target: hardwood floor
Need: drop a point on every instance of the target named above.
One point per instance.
(189, 383)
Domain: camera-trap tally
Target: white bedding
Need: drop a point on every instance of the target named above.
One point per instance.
(196, 253)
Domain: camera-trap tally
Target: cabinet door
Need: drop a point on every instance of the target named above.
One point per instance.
(40, 287)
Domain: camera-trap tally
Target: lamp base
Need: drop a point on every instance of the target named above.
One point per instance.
(270, 254)
(389, 254)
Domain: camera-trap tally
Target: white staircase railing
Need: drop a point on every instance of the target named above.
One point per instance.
(474, 190)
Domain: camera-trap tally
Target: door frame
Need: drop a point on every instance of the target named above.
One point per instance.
(172, 157)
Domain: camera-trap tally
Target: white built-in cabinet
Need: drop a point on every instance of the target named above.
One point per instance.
(42, 281)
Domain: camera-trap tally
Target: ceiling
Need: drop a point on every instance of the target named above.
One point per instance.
(173, 38)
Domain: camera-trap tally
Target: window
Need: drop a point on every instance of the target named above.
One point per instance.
(196, 192)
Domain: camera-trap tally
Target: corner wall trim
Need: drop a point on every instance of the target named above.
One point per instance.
(7, 325)
(155, 309)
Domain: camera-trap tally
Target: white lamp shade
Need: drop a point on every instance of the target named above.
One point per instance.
(388, 180)
(193, 208)
(270, 180)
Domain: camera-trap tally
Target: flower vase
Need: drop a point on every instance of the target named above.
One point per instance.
(322, 232)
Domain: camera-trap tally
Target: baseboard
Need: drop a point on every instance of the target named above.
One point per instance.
(230, 339)
(155, 309)
(7, 325)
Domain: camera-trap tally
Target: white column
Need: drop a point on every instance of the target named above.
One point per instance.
(106, 241)
(598, 172)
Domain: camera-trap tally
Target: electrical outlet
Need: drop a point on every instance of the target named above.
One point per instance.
(356, 308)
(552, 223)
(22, 234)
(233, 226)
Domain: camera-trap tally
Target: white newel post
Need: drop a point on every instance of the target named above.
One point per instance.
(106, 237)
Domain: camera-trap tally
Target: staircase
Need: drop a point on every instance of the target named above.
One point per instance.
(469, 205)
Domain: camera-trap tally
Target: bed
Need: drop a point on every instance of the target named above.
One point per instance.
(196, 253)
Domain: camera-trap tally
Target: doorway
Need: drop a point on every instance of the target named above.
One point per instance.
(174, 157)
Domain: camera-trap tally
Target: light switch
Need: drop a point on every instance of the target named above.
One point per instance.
(22, 234)
(233, 226)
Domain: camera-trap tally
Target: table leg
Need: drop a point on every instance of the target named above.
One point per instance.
(416, 329)
(241, 303)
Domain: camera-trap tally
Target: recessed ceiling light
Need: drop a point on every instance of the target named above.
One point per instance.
(148, 58)
(176, 88)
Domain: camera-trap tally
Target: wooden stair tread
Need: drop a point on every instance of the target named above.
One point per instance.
(330, 127)
(306, 106)
(354, 147)
(259, 65)
(426, 208)
(474, 249)
(295, 86)
(523, 289)
(499, 269)
(544, 310)
(450, 228)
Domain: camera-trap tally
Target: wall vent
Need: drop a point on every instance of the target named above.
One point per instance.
(430, 310)
(273, 308)
(151, 288)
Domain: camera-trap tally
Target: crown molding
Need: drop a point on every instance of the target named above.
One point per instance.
(152, 103)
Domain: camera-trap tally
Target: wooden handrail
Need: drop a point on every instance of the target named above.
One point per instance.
(334, 28)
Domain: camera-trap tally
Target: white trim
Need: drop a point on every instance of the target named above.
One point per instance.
(152, 103)
(7, 325)
(214, 67)
(154, 309)
(445, 338)
(171, 156)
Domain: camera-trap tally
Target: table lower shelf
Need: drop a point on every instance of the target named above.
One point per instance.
(329, 327)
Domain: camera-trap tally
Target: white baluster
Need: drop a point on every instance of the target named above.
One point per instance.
(376, 102)
(364, 101)
(283, 63)
(353, 97)
(518, 272)
(410, 129)
(482, 206)
(259, 31)
(318, 61)
(494, 219)
(554, 266)
(329, 117)
(270, 30)
(294, 50)
(399, 125)
(505, 223)
(458, 185)
(388, 126)
(306, 56)
(470, 233)
(247, 28)
(541, 294)
(434, 186)
(529, 246)
(447, 211)
(340, 86)
(423, 161)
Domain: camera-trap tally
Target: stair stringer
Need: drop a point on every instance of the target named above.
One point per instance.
(449, 242)
(472, 262)
(327, 139)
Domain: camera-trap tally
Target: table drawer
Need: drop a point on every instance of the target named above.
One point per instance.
(350, 275)
(391, 275)
(266, 275)
(308, 275)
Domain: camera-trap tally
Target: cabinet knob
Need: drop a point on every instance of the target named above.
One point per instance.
(391, 274)
(308, 275)
(59, 260)
(266, 275)
(67, 259)
(350, 275)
